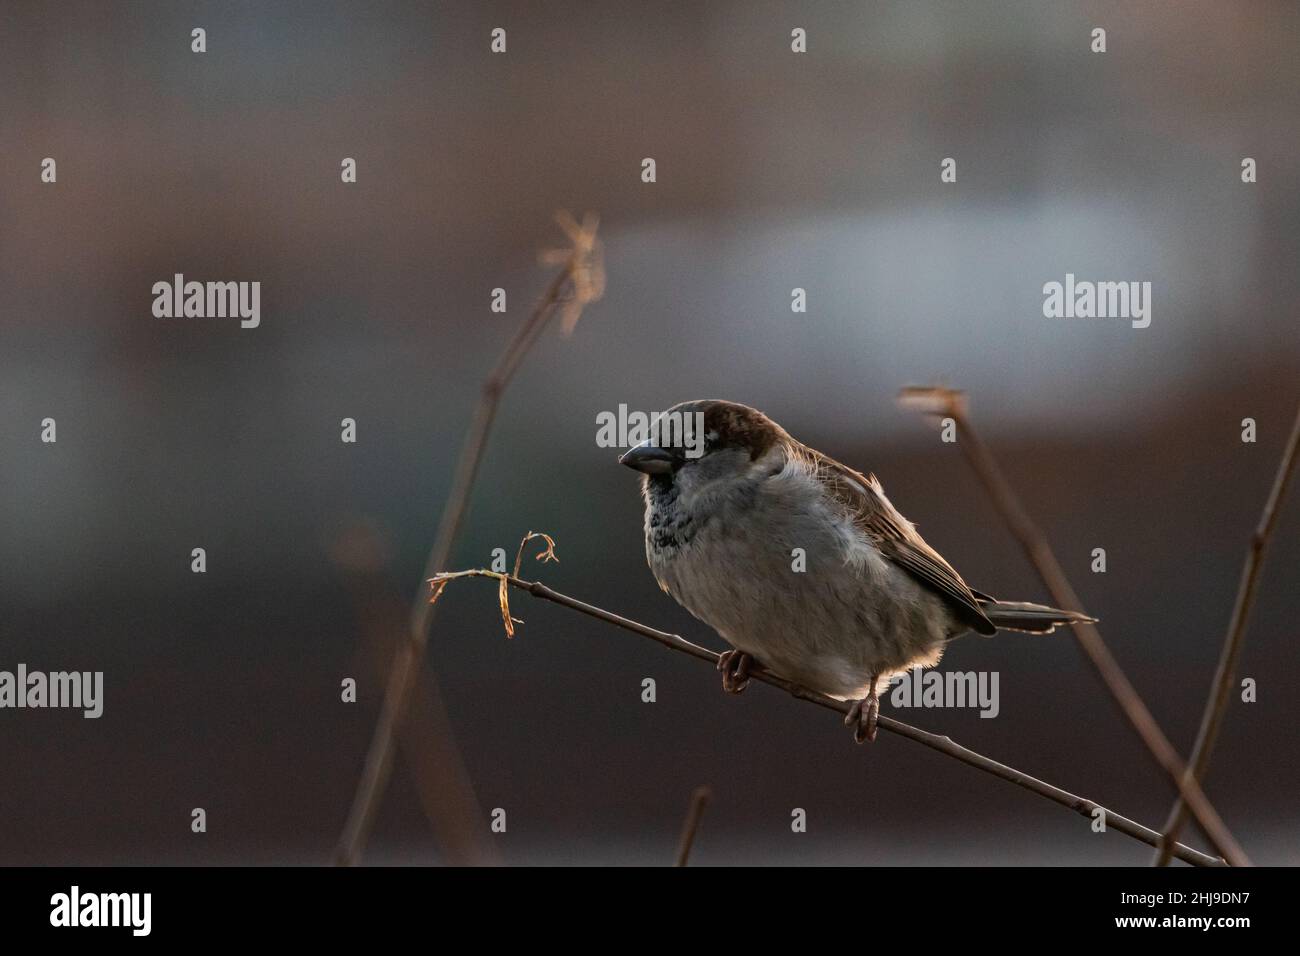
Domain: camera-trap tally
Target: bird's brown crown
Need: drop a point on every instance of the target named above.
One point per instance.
(732, 425)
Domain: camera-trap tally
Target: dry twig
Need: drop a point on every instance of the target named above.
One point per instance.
(942, 744)
(948, 403)
(1220, 689)
(579, 282)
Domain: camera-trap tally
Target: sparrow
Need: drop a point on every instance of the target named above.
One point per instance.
(802, 564)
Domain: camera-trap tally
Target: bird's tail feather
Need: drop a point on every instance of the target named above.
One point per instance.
(1030, 618)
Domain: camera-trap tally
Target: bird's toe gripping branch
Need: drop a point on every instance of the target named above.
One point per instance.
(864, 716)
(735, 667)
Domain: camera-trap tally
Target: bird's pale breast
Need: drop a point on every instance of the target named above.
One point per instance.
(784, 576)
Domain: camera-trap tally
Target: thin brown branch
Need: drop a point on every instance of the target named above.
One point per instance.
(579, 281)
(948, 403)
(1221, 689)
(699, 801)
(944, 745)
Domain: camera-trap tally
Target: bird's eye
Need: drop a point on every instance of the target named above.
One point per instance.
(705, 444)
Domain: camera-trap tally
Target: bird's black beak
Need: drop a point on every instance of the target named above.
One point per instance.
(648, 458)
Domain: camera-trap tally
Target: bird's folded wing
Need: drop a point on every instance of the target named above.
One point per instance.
(898, 541)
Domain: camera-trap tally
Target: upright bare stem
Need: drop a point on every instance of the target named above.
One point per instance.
(951, 404)
(582, 278)
(1221, 688)
(699, 800)
(434, 761)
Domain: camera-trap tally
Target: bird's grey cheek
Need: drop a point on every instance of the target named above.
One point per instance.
(687, 480)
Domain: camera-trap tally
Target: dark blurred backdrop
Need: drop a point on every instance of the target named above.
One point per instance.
(775, 171)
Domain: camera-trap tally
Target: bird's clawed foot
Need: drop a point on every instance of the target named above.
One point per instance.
(735, 667)
(863, 717)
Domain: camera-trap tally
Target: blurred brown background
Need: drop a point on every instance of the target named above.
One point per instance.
(775, 170)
